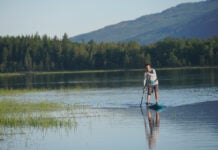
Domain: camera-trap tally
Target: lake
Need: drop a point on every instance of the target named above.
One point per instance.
(112, 119)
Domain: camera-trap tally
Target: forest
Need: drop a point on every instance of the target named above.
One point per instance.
(42, 53)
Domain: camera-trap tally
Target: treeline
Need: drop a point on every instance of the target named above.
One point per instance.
(36, 53)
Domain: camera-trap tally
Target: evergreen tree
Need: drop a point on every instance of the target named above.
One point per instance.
(28, 60)
(4, 59)
(35, 53)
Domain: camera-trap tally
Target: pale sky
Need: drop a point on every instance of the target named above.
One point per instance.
(56, 17)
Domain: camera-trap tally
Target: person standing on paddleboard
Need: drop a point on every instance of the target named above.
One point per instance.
(150, 83)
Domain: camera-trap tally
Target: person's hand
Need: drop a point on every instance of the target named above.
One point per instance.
(149, 74)
(144, 89)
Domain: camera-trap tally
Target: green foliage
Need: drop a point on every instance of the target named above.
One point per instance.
(35, 53)
(18, 107)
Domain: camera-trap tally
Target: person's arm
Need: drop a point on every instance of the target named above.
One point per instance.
(145, 79)
(152, 74)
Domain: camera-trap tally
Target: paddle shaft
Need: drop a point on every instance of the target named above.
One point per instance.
(142, 98)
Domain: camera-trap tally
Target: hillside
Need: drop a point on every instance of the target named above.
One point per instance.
(189, 20)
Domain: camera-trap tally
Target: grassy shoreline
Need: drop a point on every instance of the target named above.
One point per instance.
(11, 91)
(33, 114)
(99, 71)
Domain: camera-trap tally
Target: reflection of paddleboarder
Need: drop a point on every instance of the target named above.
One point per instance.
(153, 127)
(150, 82)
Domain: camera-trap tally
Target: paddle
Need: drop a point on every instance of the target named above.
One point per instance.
(142, 98)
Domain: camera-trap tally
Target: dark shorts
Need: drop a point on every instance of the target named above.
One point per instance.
(151, 88)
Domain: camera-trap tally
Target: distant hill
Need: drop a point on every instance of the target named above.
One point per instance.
(189, 20)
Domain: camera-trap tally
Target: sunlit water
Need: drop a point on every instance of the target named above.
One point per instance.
(113, 121)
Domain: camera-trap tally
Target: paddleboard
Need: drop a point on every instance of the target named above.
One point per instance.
(155, 106)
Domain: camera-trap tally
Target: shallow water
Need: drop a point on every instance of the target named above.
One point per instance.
(190, 127)
(113, 121)
(116, 89)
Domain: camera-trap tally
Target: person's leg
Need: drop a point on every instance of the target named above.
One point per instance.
(148, 98)
(151, 127)
(156, 96)
(150, 119)
(156, 93)
(157, 119)
(149, 94)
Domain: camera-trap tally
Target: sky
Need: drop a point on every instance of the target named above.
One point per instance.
(74, 17)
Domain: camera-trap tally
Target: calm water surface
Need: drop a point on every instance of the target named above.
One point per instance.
(113, 121)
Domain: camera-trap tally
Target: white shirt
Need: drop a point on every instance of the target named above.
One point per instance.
(150, 78)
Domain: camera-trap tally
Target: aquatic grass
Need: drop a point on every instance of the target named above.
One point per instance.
(11, 74)
(22, 91)
(32, 121)
(32, 114)
(17, 91)
(10, 106)
(11, 91)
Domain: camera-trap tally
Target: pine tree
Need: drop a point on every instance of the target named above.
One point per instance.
(28, 60)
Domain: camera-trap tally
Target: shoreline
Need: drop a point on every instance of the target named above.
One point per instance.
(99, 71)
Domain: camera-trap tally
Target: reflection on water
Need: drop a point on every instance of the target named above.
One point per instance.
(152, 128)
(193, 127)
(110, 122)
(30, 138)
(71, 80)
(168, 78)
(116, 89)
